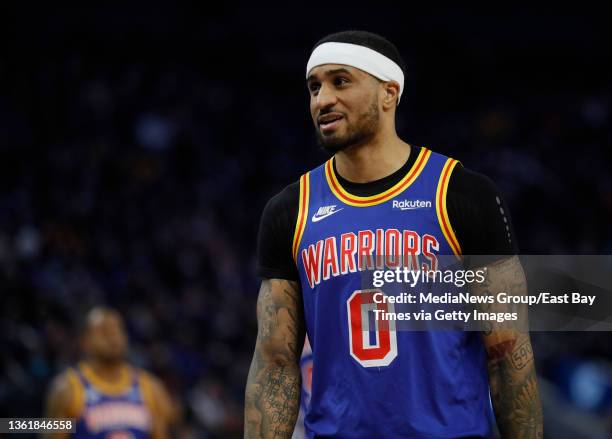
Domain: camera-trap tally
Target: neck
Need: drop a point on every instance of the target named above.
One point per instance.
(374, 159)
(110, 371)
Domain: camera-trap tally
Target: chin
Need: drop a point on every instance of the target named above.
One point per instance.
(115, 357)
(333, 148)
(333, 143)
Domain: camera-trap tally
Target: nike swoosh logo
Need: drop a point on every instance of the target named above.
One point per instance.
(316, 218)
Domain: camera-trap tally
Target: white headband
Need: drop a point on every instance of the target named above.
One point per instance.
(361, 57)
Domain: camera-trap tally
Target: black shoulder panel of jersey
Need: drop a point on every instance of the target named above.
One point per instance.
(275, 238)
(480, 217)
(477, 212)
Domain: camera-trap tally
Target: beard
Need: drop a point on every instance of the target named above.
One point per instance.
(365, 128)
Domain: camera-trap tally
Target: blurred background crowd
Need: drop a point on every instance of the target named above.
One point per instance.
(139, 146)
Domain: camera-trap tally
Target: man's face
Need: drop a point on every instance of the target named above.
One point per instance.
(106, 339)
(343, 105)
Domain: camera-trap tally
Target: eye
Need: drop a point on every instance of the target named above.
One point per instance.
(314, 87)
(340, 81)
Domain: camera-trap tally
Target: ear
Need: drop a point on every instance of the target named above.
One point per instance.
(390, 94)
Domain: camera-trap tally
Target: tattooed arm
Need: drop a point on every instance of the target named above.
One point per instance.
(272, 399)
(512, 377)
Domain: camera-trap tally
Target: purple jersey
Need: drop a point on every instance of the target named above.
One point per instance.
(116, 416)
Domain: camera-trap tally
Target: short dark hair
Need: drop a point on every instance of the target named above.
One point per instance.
(368, 39)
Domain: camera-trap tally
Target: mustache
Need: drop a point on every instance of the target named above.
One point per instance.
(329, 110)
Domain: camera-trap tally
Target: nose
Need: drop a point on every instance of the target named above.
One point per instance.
(326, 97)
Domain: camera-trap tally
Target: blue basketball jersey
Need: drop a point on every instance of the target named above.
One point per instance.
(121, 416)
(390, 383)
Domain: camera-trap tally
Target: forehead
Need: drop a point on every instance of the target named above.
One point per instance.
(323, 70)
(103, 319)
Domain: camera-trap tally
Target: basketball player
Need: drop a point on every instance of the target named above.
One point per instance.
(109, 398)
(379, 195)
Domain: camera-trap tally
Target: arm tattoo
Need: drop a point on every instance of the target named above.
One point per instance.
(272, 395)
(512, 376)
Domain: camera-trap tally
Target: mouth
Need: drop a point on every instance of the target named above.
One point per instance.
(330, 122)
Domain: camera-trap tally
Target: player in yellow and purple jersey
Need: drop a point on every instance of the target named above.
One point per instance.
(109, 398)
(379, 197)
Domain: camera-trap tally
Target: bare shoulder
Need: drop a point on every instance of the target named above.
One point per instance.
(147, 377)
(152, 383)
(61, 383)
(61, 396)
(157, 397)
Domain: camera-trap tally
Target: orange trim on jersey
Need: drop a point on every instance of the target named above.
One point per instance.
(302, 217)
(443, 218)
(357, 201)
(115, 388)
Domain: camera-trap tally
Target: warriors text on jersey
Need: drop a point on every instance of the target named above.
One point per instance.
(429, 384)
